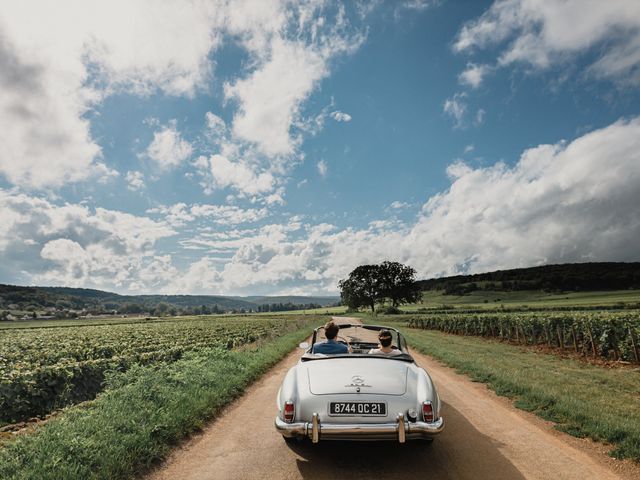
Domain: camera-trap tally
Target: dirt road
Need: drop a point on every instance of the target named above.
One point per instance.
(485, 438)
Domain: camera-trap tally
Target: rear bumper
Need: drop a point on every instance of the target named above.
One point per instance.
(399, 430)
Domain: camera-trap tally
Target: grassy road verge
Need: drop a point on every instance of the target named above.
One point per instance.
(583, 399)
(141, 414)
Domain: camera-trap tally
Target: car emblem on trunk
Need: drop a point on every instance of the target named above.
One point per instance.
(357, 381)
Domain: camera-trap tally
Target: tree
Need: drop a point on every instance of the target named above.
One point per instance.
(370, 284)
(162, 309)
(362, 288)
(398, 283)
(131, 308)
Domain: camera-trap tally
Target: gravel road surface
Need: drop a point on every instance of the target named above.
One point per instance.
(485, 438)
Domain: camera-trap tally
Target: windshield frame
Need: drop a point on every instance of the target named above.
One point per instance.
(401, 345)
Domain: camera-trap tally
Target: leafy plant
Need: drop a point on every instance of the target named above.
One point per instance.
(604, 334)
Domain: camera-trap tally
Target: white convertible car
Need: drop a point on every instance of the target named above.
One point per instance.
(358, 396)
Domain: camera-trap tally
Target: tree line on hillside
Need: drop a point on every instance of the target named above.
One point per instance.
(14, 297)
(368, 285)
(17, 302)
(594, 276)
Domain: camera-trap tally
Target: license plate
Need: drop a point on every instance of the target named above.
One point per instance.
(373, 409)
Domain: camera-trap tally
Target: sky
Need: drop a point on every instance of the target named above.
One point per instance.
(257, 147)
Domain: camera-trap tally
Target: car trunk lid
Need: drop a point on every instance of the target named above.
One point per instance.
(381, 376)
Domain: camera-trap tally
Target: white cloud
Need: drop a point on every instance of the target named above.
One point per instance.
(180, 214)
(323, 168)
(412, 6)
(289, 56)
(270, 98)
(58, 61)
(567, 202)
(229, 214)
(480, 116)
(73, 245)
(456, 108)
(135, 180)
(546, 32)
(397, 205)
(340, 116)
(176, 215)
(365, 7)
(418, 4)
(276, 198)
(45, 140)
(219, 171)
(168, 149)
(215, 124)
(473, 75)
(73, 260)
(288, 69)
(199, 278)
(559, 203)
(469, 148)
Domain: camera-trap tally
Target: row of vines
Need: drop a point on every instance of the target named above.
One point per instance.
(605, 334)
(44, 369)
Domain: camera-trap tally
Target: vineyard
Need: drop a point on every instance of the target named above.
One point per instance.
(43, 369)
(610, 335)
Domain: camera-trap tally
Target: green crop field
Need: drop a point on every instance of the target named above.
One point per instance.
(607, 334)
(491, 300)
(43, 368)
(154, 382)
(582, 399)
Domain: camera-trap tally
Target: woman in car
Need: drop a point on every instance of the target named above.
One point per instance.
(385, 339)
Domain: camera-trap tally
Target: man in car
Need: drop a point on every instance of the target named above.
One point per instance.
(331, 346)
(385, 339)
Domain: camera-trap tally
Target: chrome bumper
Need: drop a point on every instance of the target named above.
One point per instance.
(399, 430)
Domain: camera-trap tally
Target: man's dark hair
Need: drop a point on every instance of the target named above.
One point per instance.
(385, 338)
(331, 330)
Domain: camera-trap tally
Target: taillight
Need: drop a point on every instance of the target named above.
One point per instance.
(427, 412)
(289, 412)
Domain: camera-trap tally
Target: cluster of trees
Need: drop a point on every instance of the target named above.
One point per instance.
(368, 285)
(283, 307)
(165, 309)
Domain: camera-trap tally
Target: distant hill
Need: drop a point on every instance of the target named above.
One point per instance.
(294, 299)
(13, 297)
(150, 300)
(597, 276)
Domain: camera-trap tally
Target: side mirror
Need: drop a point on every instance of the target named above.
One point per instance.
(304, 345)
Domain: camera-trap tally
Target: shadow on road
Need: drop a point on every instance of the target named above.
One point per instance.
(460, 452)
